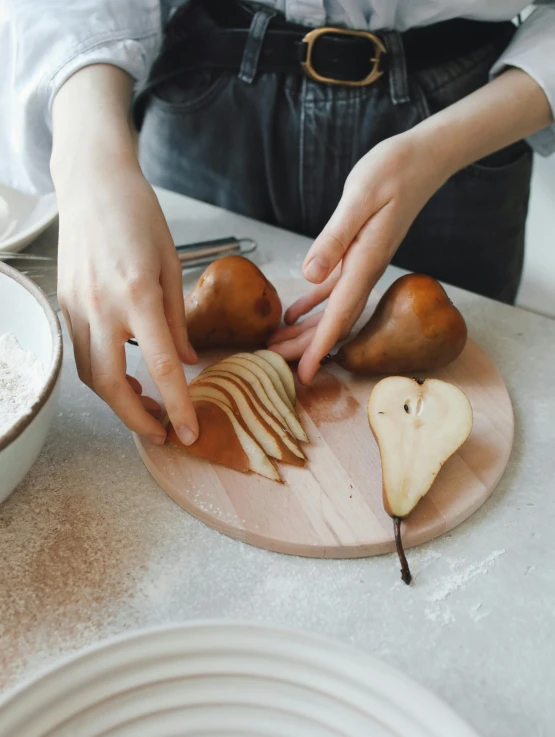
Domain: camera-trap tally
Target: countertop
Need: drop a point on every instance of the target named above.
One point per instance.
(91, 547)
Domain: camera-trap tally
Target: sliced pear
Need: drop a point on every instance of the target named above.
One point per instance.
(253, 382)
(256, 386)
(217, 440)
(418, 426)
(284, 371)
(232, 395)
(217, 444)
(273, 375)
(277, 427)
(289, 417)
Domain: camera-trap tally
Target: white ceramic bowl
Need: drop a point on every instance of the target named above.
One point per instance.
(26, 312)
(23, 217)
(226, 679)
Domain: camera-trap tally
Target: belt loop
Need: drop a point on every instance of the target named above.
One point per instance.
(397, 68)
(253, 47)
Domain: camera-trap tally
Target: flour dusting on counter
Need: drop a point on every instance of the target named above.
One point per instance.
(461, 578)
(21, 379)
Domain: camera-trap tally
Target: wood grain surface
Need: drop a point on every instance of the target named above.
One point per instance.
(332, 508)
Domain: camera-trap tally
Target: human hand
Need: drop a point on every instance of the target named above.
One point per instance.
(119, 276)
(383, 194)
(118, 273)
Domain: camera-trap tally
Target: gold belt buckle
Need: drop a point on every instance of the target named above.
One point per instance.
(311, 38)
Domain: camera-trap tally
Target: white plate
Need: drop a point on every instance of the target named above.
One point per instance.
(218, 679)
(23, 217)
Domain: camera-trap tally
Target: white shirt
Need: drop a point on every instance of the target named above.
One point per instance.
(43, 42)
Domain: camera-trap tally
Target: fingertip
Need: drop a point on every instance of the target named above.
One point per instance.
(316, 270)
(191, 420)
(193, 356)
(186, 434)
(290, 316)
(187, 354)
(156, 439)
(306, 371)
(154, 430)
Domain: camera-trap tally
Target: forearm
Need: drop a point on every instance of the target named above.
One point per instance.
(511, 107)
(91, 127)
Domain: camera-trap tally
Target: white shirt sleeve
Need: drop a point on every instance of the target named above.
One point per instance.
(42, 43)
(533, 50)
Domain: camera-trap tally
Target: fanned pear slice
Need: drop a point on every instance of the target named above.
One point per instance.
(277, 426)
(284, 371)
(214, 442)
(231, 395)
(289, 417)
(273, 375)
(247, 376)
(418, 426)
(217, 440)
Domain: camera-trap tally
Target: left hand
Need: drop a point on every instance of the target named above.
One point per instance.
(383, 194)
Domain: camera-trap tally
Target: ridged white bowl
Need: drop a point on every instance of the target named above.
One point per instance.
(222, 679)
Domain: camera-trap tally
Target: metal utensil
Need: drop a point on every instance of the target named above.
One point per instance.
(193, 255)
(7, 256)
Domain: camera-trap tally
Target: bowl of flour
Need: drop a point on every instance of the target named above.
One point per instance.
(30, 364)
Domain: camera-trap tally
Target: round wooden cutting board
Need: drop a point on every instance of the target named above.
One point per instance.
(333, 508)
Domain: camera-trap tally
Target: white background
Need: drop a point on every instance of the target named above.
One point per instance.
(537, 291)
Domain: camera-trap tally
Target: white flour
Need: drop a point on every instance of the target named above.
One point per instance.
(21, 379)
(460, 577)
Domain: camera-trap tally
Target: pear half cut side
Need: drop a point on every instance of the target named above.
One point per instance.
(418, 426)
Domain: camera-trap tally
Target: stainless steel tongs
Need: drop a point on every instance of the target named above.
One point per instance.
(193, 255)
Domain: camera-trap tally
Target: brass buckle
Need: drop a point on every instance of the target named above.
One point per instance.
(311, 38)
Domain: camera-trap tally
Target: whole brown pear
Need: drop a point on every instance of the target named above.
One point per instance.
(415, 327)
(232, 304)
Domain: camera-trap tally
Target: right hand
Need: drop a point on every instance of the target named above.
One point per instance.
(120, 277)
(118, 273)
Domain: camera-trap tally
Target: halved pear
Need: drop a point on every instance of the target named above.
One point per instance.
(258, 460)
(276, 426)
(284, 371)
(232, 395)
(418, 425)
(251, 367)
(273, 375)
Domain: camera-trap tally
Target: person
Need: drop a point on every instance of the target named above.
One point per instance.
(410, 141)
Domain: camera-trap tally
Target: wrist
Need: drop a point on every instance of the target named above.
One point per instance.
(92, 134)
(435, 149)
(507, 109)
(92, 162)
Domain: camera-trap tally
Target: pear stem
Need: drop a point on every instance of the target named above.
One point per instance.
(406, 575)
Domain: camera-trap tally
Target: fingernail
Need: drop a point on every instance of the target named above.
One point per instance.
(157, 439)
(316, 269)
(186, 435)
